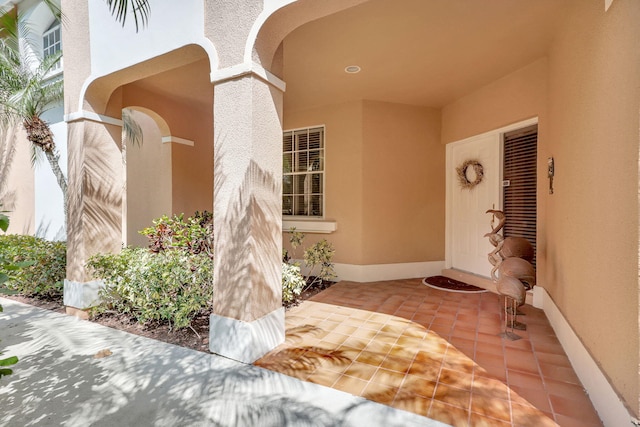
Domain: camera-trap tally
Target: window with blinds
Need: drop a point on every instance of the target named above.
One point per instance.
(303, 172)
(520, 159)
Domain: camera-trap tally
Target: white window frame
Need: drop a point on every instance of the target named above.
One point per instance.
(50, 49)
(294, 152)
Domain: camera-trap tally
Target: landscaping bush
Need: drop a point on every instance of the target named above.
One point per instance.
(169, 286)
(6, 268)
(317, 259)
(44, 265)
(292, 282)
(195, 234)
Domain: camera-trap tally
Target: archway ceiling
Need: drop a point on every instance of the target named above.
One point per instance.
(417, 52)
(186, 84)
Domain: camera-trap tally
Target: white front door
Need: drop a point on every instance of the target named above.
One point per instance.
(467, 220)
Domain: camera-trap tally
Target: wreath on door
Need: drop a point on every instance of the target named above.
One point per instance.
(466, 178)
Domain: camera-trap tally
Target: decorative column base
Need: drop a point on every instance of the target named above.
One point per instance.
(78, 296)
(246, 341)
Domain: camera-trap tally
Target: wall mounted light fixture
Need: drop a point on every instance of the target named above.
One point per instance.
(550, 173)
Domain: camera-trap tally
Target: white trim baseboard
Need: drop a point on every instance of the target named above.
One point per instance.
(246, 341)
(376, 272)
(611, 410)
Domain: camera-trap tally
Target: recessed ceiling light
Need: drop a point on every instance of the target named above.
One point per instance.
(352, 69)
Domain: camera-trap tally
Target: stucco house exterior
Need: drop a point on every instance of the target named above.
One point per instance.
(29, 192)
(348, 119)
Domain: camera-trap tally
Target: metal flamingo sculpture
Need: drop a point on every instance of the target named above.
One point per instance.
(516, 275)
(508, 247)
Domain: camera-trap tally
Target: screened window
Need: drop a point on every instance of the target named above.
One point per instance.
(52, 43)
(303, 172)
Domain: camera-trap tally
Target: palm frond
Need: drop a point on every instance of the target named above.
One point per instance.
(139, 8)
(131, 129)
(9, 30)
(36, 155)
(54, 8)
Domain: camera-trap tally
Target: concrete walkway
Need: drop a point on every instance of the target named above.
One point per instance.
(59, 382)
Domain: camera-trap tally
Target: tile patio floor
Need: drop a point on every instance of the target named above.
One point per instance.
(434, 353)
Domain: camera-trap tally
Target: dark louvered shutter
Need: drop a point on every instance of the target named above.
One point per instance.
(520, 153)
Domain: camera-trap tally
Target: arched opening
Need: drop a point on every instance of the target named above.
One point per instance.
(147, 168)
(169, 169)
(386, 126)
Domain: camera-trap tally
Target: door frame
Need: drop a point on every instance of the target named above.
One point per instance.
(450, 184)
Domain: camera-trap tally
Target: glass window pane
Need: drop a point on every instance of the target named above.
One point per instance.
(299, 208)
(287, 205)
(316, 183)
(316, 205)
(287, 162)
(287, 142)
(303, 161)
(315, 159)
(302, 141)
(299, 184)
(287, 184)
(315, 138)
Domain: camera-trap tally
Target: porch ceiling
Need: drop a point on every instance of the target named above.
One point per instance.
(418, 52)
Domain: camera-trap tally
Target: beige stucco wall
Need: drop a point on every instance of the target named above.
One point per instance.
(148, 180)
(191, 167)
(591, 253)
(343, 161)
(17, 181)
(586, 95)
(74, 40)
(518, 96)
(404, 184)
(384, 181)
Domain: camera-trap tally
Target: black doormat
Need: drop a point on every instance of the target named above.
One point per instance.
(451, 285)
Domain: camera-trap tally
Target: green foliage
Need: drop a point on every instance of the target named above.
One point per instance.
(169, 286)
(4, 222)
(5, 267)
(7, 362)
(296, 238)
(33, 266)
(319, 256)
(292, 282)
(317, 259)
(195, 234)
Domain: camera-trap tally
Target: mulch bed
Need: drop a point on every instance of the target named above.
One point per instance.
(196, 338)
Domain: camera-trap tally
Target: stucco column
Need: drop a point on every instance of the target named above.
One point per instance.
(95, 204)
(247, 208)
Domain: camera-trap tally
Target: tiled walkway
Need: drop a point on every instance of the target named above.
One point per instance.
(434, 353)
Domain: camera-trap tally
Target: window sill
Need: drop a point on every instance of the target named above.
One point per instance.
(310, 225)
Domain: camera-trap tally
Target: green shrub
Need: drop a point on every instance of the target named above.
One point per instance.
(6, 268)
(195, 234)
(169, 286)
(317, 259)
(292, 282)
(320, 255)
(44, 265)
